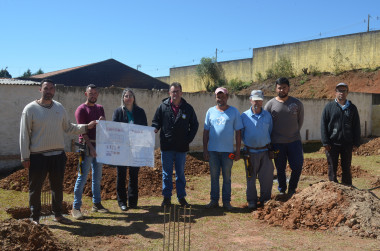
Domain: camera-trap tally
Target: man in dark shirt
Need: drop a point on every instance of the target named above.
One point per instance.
(340, 133)
(178, 123)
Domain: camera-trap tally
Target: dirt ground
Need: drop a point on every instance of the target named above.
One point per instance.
(322, 86)
(322, 206)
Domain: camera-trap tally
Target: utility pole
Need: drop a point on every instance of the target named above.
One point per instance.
(216, 55)
(368, 23)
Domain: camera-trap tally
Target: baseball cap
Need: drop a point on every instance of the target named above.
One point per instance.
(221, 89)
(256, 95)
(341, 84)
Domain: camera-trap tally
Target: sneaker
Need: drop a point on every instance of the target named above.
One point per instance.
(183, 202)
(77, 214)
(252, 206)
(98, 207)
(166, 202)
(227, 206)
(35, 222)
(212, 204)
(123, 207)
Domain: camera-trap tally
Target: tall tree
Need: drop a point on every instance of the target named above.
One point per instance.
(210, 73)
(27, 74)
(4, 73)
(39, 72)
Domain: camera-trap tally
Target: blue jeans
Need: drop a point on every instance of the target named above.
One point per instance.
(82, 178)
(220, 160)
(294, 153)
(168, 159)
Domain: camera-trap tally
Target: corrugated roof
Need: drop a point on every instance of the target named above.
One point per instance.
(12, 81)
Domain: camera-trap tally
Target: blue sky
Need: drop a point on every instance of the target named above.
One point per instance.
(160, 34)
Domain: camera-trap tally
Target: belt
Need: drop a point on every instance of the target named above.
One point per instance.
(257, 148)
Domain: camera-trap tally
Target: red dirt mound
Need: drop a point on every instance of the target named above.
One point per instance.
(24, 212)
(370, 148)
(326, 205)
(318, 167)
(24, 235)
(150, 179)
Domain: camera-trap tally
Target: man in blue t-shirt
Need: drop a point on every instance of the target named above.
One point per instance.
(256, 133)
(221, 122)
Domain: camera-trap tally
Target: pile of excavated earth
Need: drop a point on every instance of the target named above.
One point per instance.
(322, 206)
(326, 206)
(24, 235)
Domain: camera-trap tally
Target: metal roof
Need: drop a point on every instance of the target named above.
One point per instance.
(12, 81)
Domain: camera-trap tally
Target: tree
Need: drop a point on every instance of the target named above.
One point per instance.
(210, 73)
(39, 72)
(4, 73)
(27, 74)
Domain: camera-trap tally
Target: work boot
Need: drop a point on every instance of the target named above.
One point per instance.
(227, 206)
(77, 214)
(252, 206)
(212, 204)
(183, 202)
(291, 193)
(98, 207)
(166, 202)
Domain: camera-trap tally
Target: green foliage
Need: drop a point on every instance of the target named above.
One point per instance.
(237, 84)
(4, 73)
(39, 72)
(259, 76)
(340, 63)
(314, 70)
(210, 73)
(304, 79)
(27, 74)
(282, 68)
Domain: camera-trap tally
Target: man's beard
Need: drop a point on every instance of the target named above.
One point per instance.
(282, 95)
(92, 101)
(47, 97)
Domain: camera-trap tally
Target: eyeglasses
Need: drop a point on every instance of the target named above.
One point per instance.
(341, 91)
(128, 96)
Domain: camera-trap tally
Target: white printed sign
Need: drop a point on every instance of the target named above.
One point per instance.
(124, 144)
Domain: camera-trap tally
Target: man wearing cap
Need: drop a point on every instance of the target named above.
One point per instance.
(84, 113)
(287, 114)
(221, 122)
(256, 137)
(178, 125)
(340, 133)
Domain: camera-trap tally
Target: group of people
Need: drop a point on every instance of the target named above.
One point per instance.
(270, 132)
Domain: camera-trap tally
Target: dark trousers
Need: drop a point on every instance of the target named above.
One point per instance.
(345, 152)
(40, 166)
(133, 186)
(293, 153)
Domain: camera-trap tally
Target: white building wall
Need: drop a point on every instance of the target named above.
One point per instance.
(13, 98)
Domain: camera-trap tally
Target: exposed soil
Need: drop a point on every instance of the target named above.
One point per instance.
(24, 235)
(150, 179)
(326, 205)
(322, 86)
(318, 167)
(372, 147)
